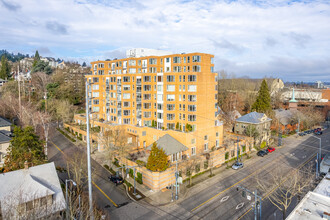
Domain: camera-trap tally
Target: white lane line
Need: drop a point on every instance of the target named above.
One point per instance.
(224, 199)
(240, 205)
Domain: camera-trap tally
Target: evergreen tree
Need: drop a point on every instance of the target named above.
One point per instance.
(42, 66)
(36, 59)
(263, 102)
(84, 64)
(5, 68)
(25, 146)
(157, 160)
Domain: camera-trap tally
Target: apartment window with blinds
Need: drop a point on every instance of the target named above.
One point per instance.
(147, 87)
(170, 88)
(96, 94)
(126, 112)
(192, 108)
(95, 79)
(147, 79)
(196, 68)
(152, 70)
(160, 115)
(126, 104)
(170, 78)
(95, 101)
(171, 126)
(147, 96)
(152, 61)
(159, 78)
(193, 151)
(147, 114)
(126, 87)
(191, 78)
(170, 116)
(126, 79)
(177, 69)
(160, 106)
(176, 59)
(192, 98)
(160, 97)
(126, 95)
(170, 97)
(196, 58)
(170, 107)
(95, 87)
(159, 88)
(192, 88)
(191, 117)
(131, 62)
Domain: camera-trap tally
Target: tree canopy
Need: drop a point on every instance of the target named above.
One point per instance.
(263, 101)
(36, 59)
(42, 66)
(157, 160)
(25, 146)
(5, 68)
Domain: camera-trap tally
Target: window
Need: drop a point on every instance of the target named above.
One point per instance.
(193, 151)
(170, 78)
(177, 69)
(95, 79)
(206, 146)
(193, 140)
(170, 107)
(96, 109)
(126, 95)
(176, 59)
(196, 68)
(160, 116)
(216, 143)
(159, 78)
(191, 78)
(95, 94)
(144, 133)
(126, 104)
(159, 97)
(170, 97)
(192, 108)
(132, 63)
(147, 87)
(152, 70)
(126, 79)
(170, 126)
(126, 87)
(160, 106)
(192, 88)
(146, 96)
(95, 101)
(101, 65)
(132, 70)
(205, 137)
(170, 116)
(147, 114)
(147, 79)
(95, 87)
(126, 112)
(152, 61)
(170, 88)
(196, 58)
(217, 134)
(126, 120)
(191, 117)
(147, 105)
(192, 98)
(167, 60)
(168, 69)
(159, 88)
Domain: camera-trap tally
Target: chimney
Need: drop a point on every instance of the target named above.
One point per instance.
(26, 165)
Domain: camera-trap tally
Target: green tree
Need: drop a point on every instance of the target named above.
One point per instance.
(157, 160)
(25, 146)
(5, 68)
(263, 101)
(84, 64)
(36, 59)
(42, 66)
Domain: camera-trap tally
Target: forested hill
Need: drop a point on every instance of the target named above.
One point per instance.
(13, 57)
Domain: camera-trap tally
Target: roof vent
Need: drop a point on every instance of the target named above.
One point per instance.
(308, 211)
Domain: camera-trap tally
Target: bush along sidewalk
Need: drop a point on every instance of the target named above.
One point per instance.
(66, 135)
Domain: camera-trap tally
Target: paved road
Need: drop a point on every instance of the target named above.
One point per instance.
(106, 195)
(223, 201)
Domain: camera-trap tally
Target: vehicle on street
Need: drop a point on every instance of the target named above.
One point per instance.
(271, 149)
(262, 153)
(237, 165)
(116, 179)
(302, 133)
(319, 133)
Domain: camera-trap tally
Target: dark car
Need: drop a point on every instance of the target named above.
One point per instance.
(302, 134)
(318, 132)
(262, 153)
(116, 179)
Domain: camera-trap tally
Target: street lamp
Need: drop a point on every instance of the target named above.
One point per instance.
(66, 195)
(319, 155)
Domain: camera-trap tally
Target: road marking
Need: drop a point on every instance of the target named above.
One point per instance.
(232, 186)
(92, 181)
(240, 205)
(265, 197)
(224, 199)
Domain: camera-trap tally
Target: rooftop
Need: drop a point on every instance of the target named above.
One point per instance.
(169, 144)
(253, 118)
(4, 122)
(4, 138)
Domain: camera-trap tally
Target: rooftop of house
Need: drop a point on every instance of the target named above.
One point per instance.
(169, 144)
(323, 187)
(4, 138)
(253, 118)
(28, 184)
(284, 116)
(4, 122)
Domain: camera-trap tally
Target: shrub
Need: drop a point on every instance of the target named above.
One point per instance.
(141, 163)
(197, 168)
(139, 178)
(226, 155)
(263, 144)
(106, 166)
(243, 148)
(206, 164)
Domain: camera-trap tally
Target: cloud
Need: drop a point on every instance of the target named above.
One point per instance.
(225, 44)
(56, 27)
(10, 5)
(44, 51)
(271, 42)
(300, 40)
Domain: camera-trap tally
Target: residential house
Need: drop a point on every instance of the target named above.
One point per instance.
(31, 193)
(259, 121)
(5, 134)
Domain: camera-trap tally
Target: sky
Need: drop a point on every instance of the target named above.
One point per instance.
(252, 38)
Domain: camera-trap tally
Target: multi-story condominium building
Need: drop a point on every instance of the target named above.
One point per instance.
(154, 93)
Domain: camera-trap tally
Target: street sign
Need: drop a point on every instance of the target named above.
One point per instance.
(248, 197)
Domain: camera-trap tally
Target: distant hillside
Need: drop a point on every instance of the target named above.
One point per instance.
(13, 57)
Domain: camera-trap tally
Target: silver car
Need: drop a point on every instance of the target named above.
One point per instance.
(237, 165)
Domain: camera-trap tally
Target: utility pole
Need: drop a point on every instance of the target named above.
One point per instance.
(257, 201)
(176, 182)
(237, 149)
(89, 155)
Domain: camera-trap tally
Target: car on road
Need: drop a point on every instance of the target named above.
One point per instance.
(237, 165)
(319, 133)
(262, 153)
(116, 179)
(302, 133)
(271, 149)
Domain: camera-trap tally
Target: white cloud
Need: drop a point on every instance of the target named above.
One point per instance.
(254, 38)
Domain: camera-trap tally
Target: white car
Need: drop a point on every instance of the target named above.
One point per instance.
(237, 165)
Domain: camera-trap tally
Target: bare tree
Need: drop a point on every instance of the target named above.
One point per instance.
(190, 166)
(284, 186)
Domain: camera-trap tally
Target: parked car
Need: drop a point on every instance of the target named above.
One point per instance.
(302, 134)
(271, 149)
(262, 153)
(237, 165)
(318, 132)
(116, 179)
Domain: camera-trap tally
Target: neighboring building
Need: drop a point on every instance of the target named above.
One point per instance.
(276, 86)
(31, 193)
(325, 164)
(258, 120)
(50, 60)
(2, 82)
(5, 134)
(287, 120)
(176, 93)
(315, 205)
(5, 124)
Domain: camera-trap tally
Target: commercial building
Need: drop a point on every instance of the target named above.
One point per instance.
(153, 93)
